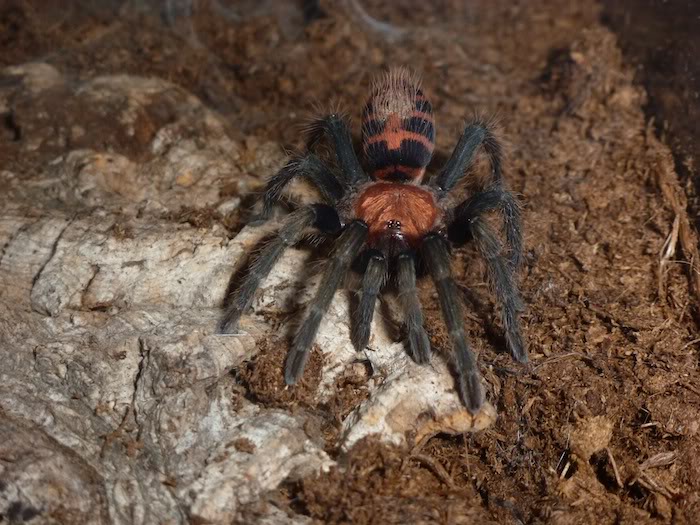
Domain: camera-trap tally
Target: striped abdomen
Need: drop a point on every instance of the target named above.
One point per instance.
(398, 129)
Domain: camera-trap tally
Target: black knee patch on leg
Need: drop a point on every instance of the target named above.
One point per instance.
(459, 232)
(327, 219)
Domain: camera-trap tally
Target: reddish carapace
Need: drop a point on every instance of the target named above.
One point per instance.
(399, 139)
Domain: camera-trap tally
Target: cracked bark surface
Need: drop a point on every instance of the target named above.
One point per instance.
(115, 388)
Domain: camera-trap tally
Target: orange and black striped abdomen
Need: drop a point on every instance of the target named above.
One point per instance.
(398, 129)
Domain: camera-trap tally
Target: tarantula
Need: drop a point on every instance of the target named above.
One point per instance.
(386, 220)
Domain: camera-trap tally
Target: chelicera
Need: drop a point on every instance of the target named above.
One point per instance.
(388, 222)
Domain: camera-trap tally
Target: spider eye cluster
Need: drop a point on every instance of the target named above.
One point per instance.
(393, 224)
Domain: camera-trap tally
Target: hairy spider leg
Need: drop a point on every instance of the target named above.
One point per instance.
(292, 230)
(437, 259)
(469, 225)
(418, 341)
(503, 285)
(476, 134)
(459, 230)
(479, 134)
(512, 225)
(337, 128)
(308, 166)
(372, 282)
(346, 248)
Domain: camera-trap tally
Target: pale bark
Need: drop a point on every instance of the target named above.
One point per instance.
(118, 401)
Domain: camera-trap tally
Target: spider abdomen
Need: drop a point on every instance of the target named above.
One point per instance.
(398, 215)
(398, 129)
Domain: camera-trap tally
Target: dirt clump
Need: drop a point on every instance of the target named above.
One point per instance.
(263, 378)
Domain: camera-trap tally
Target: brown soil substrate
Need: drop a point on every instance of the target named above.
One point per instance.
(661, 40)
(604, 425)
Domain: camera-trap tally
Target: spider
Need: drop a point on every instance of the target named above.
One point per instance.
(387, 221)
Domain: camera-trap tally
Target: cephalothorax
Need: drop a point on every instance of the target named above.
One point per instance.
(389, 221)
